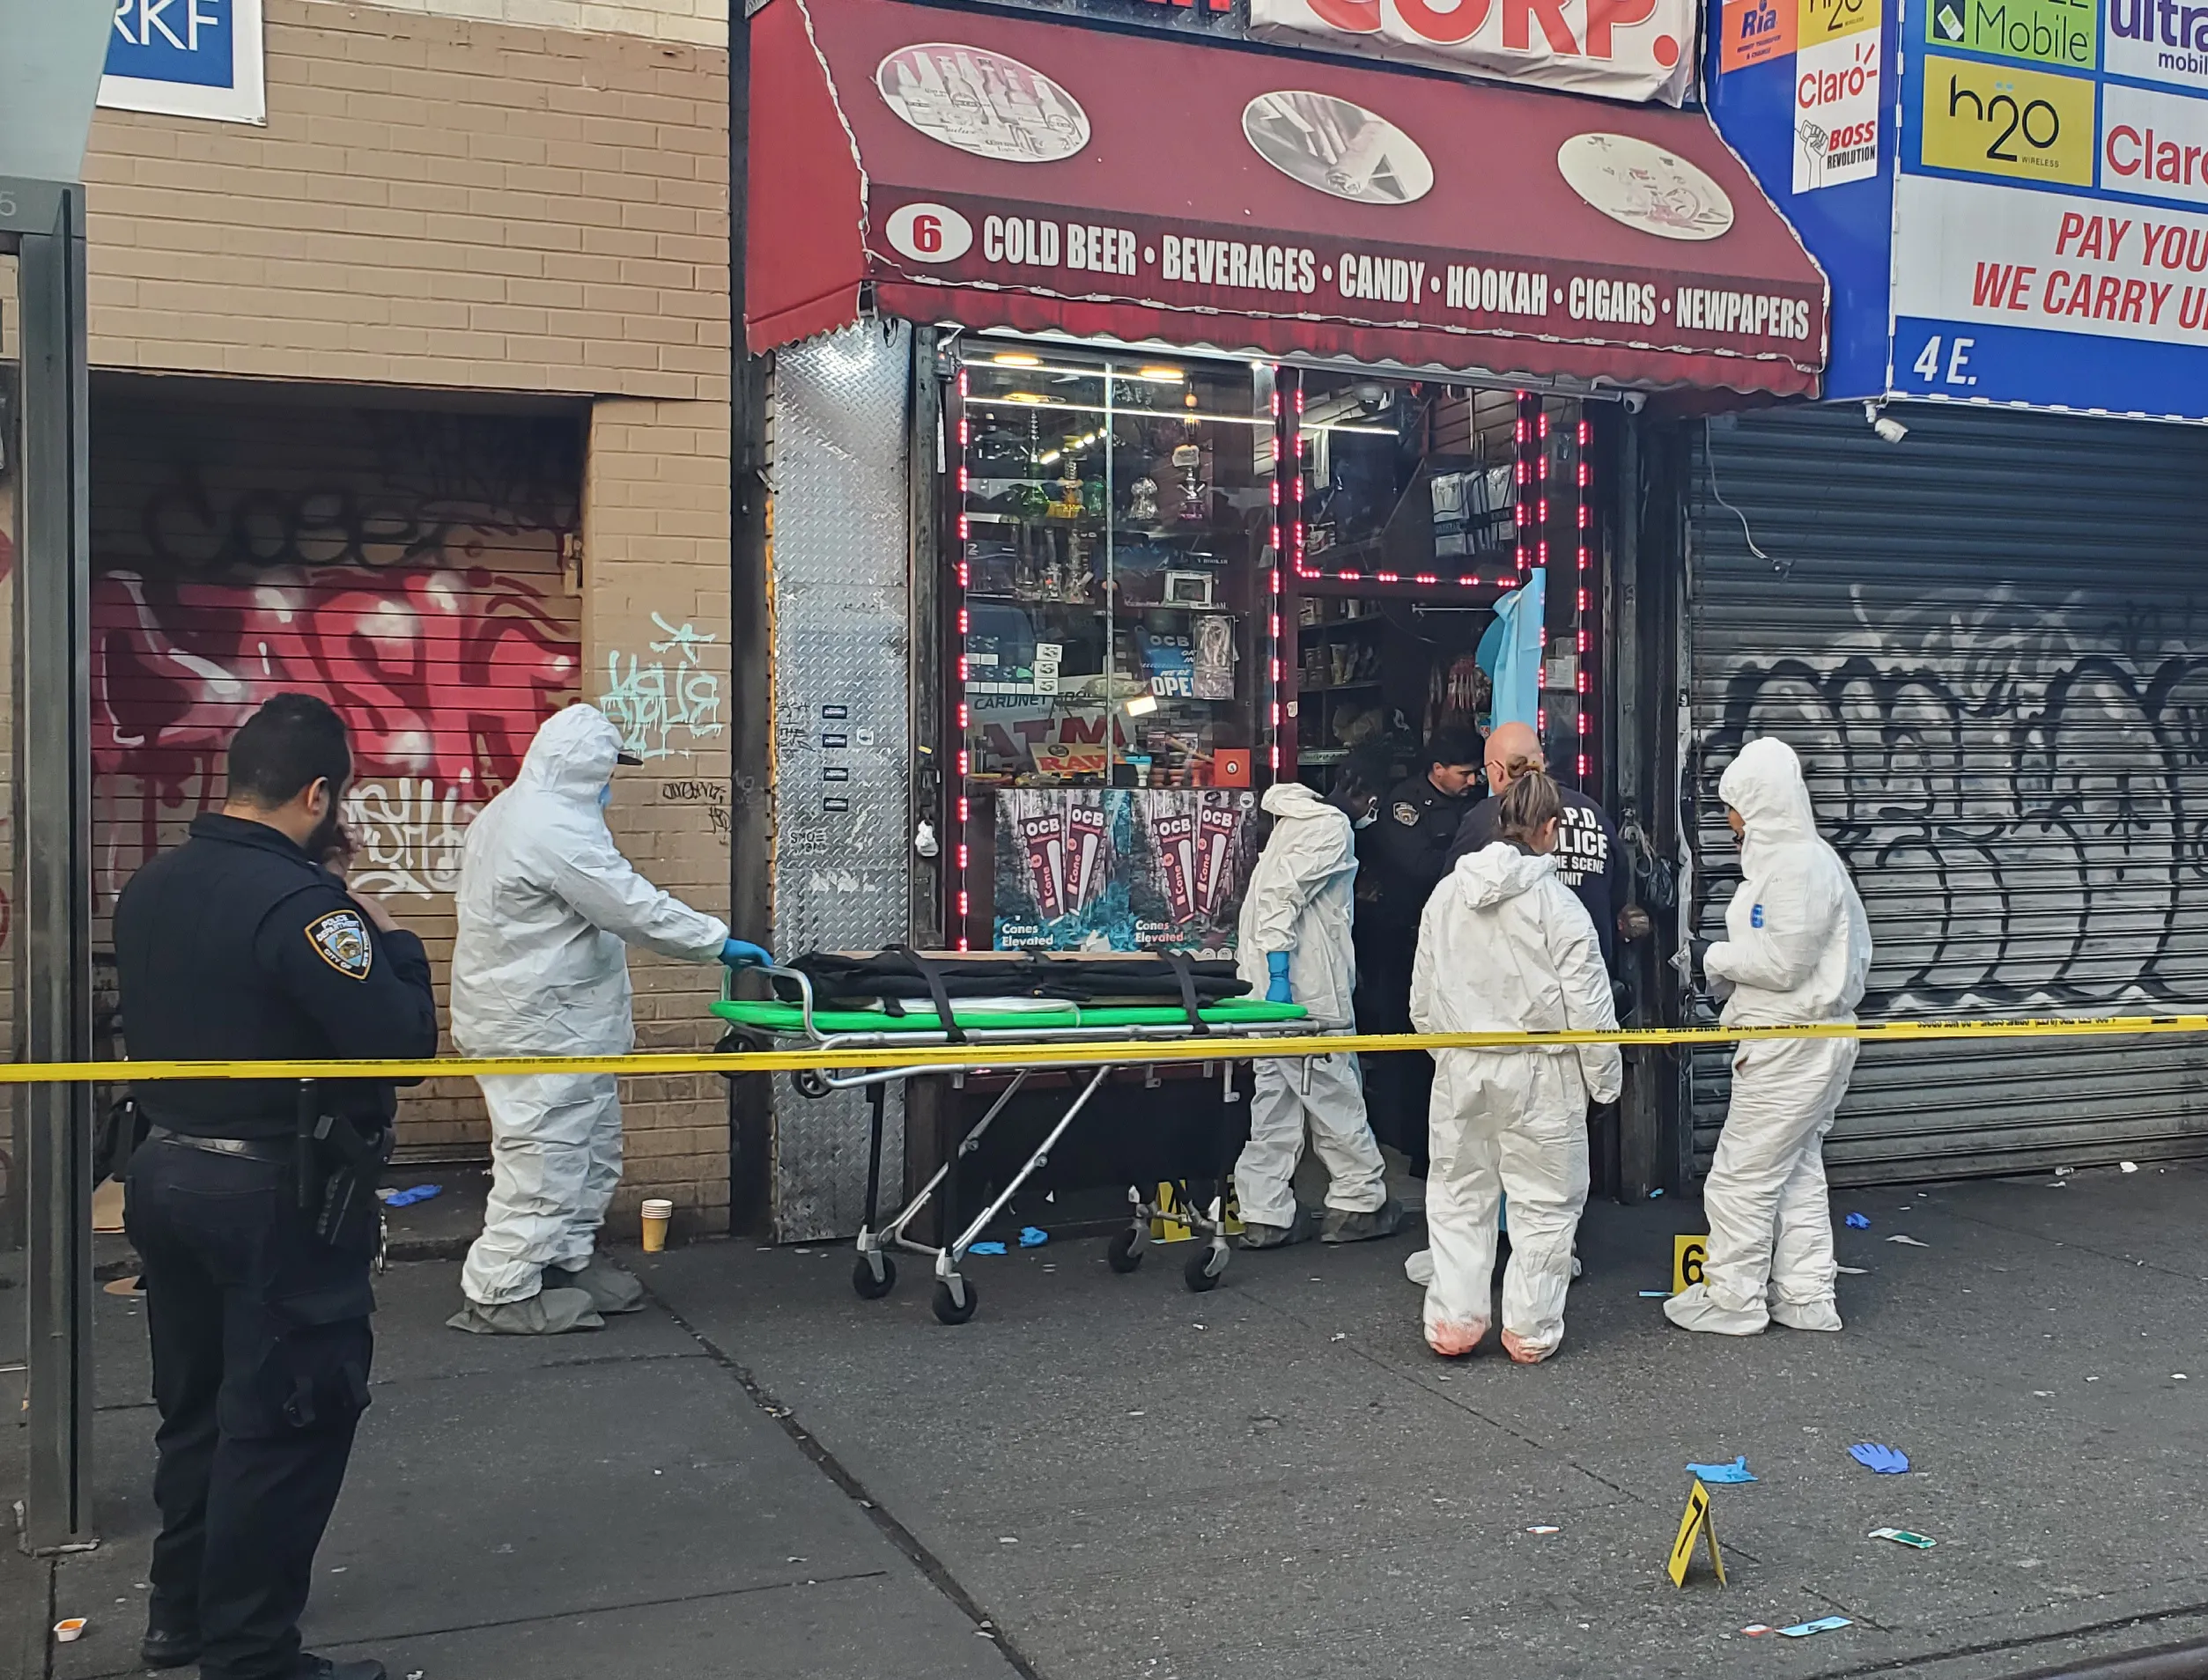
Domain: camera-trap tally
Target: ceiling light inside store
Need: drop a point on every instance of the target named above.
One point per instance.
(1017, 358)
(1143, 705)
(1024, 396)
(1161, 375)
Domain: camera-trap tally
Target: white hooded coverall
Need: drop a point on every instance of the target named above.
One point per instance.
(1797, 948)
(1301, 897)
(547, 906)
(1506, 946)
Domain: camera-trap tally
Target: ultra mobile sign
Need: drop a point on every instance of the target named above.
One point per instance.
(1620, 49)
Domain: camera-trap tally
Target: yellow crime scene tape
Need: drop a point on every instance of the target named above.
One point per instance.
(1031, 1053)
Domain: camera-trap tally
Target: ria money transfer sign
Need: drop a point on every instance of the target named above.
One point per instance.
(192, 58)
(2051, 224)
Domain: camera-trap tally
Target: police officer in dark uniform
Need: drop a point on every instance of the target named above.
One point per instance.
(1400, 861)
(240, 945)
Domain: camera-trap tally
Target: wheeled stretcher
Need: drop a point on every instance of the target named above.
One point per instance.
(799, 1018)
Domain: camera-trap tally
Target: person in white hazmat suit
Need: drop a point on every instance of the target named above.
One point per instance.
(1293, 946)
(1797, 948)
(1505, 945)
(547, 906)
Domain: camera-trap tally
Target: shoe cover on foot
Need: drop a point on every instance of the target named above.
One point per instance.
(1575, 1267)
(1384, 1221)
(1419, 1267)
(1523, 1351)
(610, 1289)
(1806, 1315)
(550, 1312)
(1454, 1341)
(1693, 1308)
(1302, 1228)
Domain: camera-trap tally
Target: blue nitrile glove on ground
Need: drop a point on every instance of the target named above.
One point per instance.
(1276, 965)
(1736, 1472)
(741, 953)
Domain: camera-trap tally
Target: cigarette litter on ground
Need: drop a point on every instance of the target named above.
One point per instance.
(1736, 1472)
(1823, 1624)
(1543, 1527)
(1755, 1628)
(1656, 1294)
(1858, 1221)
(1907, 1242)
(1854, 1271)
(1884, 1460)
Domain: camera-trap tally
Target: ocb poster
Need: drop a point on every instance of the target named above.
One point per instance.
(1122, 869)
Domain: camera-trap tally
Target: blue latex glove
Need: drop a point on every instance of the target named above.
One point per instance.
(741, 953)
(1736, 1472)
(1276, 965)
(1033, 1236)
(987, 1248)
(1887, 1460)
(1858, 1222)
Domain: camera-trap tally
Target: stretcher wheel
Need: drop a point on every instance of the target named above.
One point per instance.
(810, 1082)
(1125, 1252)
(1202, 1271)
(954, 1309)
(868, 1286)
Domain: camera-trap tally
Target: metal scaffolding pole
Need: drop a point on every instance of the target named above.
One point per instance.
(43, 222)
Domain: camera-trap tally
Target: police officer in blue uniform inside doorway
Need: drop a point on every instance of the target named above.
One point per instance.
(252, 1210)
(1403, 855)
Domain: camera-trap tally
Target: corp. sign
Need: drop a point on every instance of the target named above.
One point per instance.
(1621, 49)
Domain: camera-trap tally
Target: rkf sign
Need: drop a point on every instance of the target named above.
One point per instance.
(1620, 49)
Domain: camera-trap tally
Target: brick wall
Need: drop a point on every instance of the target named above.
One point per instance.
(704, 22)
(434, 202)
(656, 618)
(528, 199)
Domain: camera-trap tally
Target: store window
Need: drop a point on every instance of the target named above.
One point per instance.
(1444, 570)
(1176, 580)
(1114, 699)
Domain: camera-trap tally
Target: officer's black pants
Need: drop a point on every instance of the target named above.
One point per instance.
(1399, 1085)
(260, 1352)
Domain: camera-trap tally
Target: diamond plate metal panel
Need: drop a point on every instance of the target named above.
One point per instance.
(842, 615)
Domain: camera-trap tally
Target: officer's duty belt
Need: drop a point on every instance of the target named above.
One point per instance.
(244, 1148)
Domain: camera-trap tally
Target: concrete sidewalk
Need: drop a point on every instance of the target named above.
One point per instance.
(608, 1504)
(1103, 1477)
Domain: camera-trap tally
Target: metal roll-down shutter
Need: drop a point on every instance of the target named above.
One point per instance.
(1989, 641)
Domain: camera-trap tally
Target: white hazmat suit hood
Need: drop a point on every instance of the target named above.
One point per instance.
(1797, 950)
(1505, 945)
(547, 907)
(1797, 945)
(1301, 897)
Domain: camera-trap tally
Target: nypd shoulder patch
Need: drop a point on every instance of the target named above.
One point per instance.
(341, 940)
(1406, 812)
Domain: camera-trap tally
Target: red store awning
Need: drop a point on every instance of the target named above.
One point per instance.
(998, 171)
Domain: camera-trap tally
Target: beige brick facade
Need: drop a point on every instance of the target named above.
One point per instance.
(526, 199)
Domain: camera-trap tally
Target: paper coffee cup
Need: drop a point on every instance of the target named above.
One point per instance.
(657, 1213)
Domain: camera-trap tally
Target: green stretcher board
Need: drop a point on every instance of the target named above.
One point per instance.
(789, 1018)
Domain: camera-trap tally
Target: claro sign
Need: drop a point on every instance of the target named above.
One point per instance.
(1620, 49)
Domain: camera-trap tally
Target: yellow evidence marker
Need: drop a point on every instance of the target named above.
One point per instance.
(1697, 1522)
